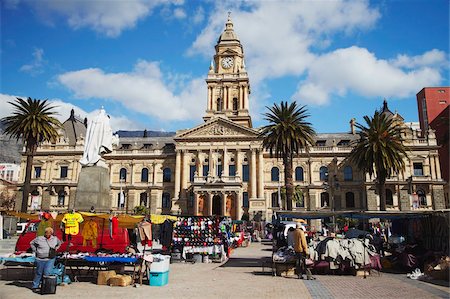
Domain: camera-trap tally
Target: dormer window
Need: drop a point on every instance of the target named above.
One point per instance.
(126, 146)
(321, 142)
(344, 142)
(147, 146)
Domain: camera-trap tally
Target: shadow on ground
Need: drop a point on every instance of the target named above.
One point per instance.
(242, 262)
(20, 284)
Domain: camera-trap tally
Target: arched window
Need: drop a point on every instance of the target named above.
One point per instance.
(123, 174)
(299, 174)
(349, 200)
(235, 104)
(120, 200)
(219, 104)
(166, 200)
(389, 198)
(275, 203)
(324, 199)
(144, 175)
(323, 173)
(192, 170)
(61, 198)
(143, 199)
(422, 197)
(167, 175)
(275, 174)
(348, 173)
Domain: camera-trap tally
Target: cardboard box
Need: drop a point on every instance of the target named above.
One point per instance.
(120, 280)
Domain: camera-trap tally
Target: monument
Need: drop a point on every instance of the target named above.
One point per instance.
(93, 183)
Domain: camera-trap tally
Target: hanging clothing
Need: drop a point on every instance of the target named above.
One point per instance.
(90, 232)
(145, 232)
(71, 222)
(113, 226)
(166, 233)
(42, 226)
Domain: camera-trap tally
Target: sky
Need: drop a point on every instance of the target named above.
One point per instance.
(146, 61)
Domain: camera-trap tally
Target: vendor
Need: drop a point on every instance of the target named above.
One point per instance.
(45, 248)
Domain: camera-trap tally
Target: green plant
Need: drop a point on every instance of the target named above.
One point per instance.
(141, 210)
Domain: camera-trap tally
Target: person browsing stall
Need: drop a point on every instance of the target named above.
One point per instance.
(301, 249)
(45, 248)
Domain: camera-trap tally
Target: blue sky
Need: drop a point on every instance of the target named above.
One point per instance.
(145, 61)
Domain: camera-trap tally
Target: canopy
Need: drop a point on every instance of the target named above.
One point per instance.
(125, 220)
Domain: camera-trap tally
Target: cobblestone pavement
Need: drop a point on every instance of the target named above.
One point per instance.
(240, 277)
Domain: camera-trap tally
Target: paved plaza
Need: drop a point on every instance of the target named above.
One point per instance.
(240, 277)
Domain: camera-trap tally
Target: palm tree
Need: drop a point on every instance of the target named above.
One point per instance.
(379, 150)
(33, 122)
(287, 132)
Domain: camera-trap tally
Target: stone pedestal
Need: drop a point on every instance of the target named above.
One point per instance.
(93, 190)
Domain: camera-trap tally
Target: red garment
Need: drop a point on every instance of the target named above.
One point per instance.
(149, 242)
(115, 225)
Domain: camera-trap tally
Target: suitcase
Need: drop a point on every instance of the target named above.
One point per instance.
(48, 285)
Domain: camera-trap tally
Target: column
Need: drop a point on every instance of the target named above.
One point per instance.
(241, 96)
(177, 175)
(260, 174)
(438, 168)
(211, 163)
(227, 89)
(154, 173)
(183, 174)
(224, 203)
(209, 97)
(245, 97)
(239, 205)
(199, 164)
(209, 199)
(195, 211)
(225, 163)
(253, 174)
(238, 163)
(432, 168)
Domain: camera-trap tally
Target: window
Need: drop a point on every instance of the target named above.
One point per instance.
(63, 173)
(166, 200)
(275, 174)
(61, 198)
(422, 197)
(299, 174)
(143, 199)
(232, 170)
(245, 202)
(123, 174)
(167, 175)
(389, 198)
(219, 170)
(348, 173)
(37, 172)
(126, 146)
(418, 169)
(219, 104)
(323, 173)
(120, 200)
(321, 142)
(192, 170)
(324, 199)
(349, 200)
(275, 203)
(144, 175)
(301, 202)
(147, 146)
(205, 170)
(191, 199)
(235, 104)
(245, 173)
(345, 142)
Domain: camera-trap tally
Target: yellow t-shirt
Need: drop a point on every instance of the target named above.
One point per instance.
(71, 222)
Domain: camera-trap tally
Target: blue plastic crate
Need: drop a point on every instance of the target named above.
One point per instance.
(159, 279)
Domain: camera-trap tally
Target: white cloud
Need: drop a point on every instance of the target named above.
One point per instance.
(433, 57)
(179, 13)
(62, 112)
(359, 70)
(142, 90)
(199, 15)
(36, 66)
(105, 17)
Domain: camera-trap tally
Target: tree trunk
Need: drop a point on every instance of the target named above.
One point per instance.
(288, 181)
(382, 191)
(27, 182)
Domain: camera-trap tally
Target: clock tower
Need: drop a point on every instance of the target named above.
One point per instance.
(228, 84)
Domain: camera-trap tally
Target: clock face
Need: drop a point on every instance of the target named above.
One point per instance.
(227, 62)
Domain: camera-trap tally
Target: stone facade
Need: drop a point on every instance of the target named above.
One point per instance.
(219, 167)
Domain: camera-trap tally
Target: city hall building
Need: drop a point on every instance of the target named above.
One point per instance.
(220, 167)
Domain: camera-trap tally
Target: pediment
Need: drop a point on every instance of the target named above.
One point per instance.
(229, 52)
(218, 128)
